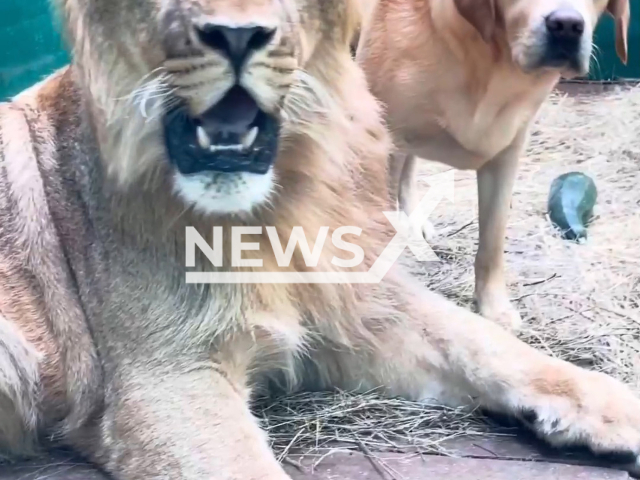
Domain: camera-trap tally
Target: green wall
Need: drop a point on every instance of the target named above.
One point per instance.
(608, 66)
(32, 47)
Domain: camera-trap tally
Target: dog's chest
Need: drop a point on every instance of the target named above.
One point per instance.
(467, 130)
(486, 128)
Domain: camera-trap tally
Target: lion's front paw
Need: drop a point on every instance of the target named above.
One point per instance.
(593, 411)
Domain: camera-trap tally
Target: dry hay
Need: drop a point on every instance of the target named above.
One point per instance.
(579, 302)
(316, 424)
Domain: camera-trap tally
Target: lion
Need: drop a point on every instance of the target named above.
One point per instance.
(192, 115)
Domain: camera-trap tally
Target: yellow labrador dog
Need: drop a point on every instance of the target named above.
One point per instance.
(462, 81)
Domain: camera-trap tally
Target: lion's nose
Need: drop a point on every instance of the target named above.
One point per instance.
(236, 43)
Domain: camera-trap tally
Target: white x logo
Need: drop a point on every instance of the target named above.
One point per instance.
(442, 186)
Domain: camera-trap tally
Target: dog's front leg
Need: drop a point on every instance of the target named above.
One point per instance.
(403, 171)
(425, 348)
(184, 423)
(495, 187)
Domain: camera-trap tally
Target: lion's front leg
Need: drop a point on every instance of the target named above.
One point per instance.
(180, 425)
(426, 348)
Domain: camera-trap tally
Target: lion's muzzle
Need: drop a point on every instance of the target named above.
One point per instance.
(234, 134)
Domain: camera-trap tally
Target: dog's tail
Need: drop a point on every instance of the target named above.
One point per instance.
(19, 391)
(361, 10)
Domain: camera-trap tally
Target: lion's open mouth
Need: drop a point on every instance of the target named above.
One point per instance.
(234, 135)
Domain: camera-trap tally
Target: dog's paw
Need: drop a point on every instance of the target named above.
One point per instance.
(588, 410)
(501, 311)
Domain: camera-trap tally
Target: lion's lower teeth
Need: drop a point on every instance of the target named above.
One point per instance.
(203, 138)
(246, 141)
(222, 148)
(250, 137)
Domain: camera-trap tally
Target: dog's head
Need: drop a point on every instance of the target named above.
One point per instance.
(208, 88)
(547, 34)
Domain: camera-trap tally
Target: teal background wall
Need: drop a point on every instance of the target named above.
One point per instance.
(31, 46)
(608, 66)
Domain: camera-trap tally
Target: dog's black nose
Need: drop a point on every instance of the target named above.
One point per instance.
(236, 43)
(565, 24)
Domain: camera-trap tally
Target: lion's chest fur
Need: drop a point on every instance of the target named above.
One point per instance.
(126, 254)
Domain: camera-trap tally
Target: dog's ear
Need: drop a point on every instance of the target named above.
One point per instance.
(481, 14)
(621, 12)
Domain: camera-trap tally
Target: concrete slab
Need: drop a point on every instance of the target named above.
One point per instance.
(355, 466)
(501, 458)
